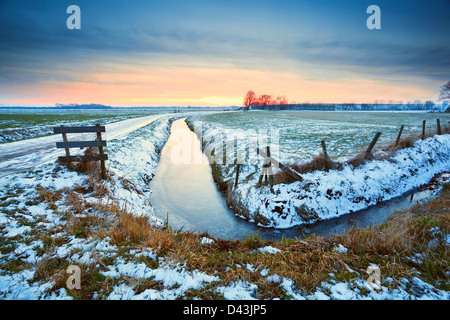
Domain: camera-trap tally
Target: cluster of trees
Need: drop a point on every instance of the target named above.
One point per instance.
(251, 99)
(81, 106)
(445, 91)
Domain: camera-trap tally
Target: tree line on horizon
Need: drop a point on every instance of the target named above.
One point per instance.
(252, 100)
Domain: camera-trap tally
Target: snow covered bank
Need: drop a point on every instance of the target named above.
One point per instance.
(52, 204)
(47, 217)
(325, 195)
(29, 225)
(136, 155)
(43, 232)
(134, 158)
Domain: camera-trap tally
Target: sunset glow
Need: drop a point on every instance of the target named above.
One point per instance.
(205, 87)
(195, 59)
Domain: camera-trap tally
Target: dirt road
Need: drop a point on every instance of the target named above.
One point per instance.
(16, 157)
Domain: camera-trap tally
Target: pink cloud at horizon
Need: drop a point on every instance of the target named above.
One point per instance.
(205, 86)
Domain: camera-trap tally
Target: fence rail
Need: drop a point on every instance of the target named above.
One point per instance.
(80, 144)
(98, 143)
(63, 129)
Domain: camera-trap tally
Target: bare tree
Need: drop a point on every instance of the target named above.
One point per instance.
(445, 91)
(249, 99)
(265, 99)
(284, 100)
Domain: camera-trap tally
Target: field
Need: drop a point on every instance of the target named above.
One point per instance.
(345, 133)
(18, 124)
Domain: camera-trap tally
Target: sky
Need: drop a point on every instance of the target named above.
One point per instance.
(210, 53)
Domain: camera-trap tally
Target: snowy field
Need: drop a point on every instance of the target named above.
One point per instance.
(345, 133)
(18, 124)
(29, 225)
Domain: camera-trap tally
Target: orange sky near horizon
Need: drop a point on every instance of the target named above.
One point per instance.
(206, 86)
(211, 53)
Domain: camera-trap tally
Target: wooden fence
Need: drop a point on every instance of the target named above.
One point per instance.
(98, 143)
(267, 173)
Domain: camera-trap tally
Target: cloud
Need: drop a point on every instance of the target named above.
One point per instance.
(323, 41)
(376, 60)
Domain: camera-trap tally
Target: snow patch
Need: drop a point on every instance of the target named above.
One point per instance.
(269, 250)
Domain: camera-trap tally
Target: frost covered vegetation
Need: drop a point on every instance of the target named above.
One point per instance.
(55, 218)
(352, 184)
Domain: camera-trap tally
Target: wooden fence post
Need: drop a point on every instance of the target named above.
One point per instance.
(263, 171)
(64, 135)
(423, 129)
(324, 149)
(372, 144)
(266, 171)
(399, 135)
(269, 168)
(273, 161)
(329, 164)
(238, 168)
(439, 131)
(101, 152)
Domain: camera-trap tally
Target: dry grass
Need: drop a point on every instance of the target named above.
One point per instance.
(308, 262)
(90, 168)
(406, 142)
(408, 233)
(320, 162)
(50, 197)
(129, 228)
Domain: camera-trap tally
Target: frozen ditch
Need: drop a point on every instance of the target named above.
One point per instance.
(185, 194)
